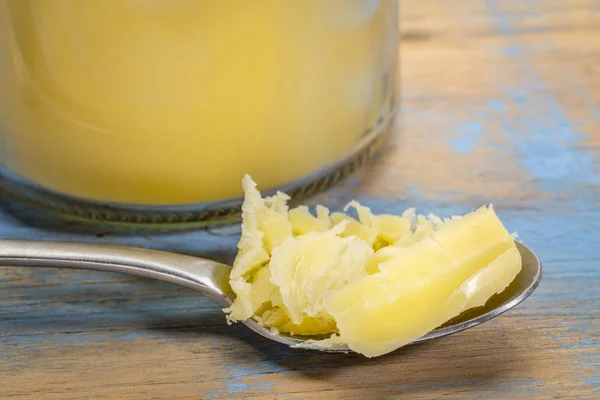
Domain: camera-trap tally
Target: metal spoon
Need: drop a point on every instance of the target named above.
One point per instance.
(212, 278)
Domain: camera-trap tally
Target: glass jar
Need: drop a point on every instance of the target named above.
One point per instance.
(149, 112)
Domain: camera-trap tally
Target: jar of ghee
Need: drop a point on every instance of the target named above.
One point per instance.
(150, 112)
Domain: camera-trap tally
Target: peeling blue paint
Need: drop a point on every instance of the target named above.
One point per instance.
(243, 378)
(594, 382)
(584, 342)
(547, 140)
(469, 139)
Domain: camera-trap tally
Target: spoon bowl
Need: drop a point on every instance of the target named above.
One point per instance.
(212, 279)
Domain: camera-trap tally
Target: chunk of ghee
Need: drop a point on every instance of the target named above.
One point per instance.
(374, 283)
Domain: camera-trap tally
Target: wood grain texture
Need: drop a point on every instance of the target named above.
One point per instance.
(501, 103)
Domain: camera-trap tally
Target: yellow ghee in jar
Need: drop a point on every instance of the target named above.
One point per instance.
(166, 102)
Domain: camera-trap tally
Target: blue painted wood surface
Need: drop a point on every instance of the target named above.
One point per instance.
(501, 104)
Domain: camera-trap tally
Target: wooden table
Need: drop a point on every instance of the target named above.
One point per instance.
(501, 103)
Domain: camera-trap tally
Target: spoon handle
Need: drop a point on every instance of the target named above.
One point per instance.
(205, 276)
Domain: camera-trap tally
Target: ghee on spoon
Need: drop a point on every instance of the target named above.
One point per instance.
(212, 279)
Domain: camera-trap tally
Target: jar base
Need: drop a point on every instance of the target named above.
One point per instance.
(38, 206)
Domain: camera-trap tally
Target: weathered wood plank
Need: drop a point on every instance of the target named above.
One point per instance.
(501, 103)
